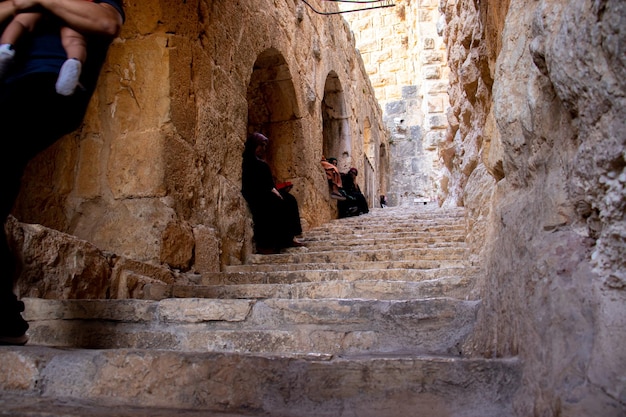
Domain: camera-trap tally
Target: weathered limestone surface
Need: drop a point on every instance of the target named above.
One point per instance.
(54, 265)
(154, 174)
(536, 153)
(351, 335)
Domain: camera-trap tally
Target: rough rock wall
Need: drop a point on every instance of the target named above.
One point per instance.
(538, 158)
(155, 172)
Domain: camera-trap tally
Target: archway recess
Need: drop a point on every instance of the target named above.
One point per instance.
(273, 110)
(336, 129)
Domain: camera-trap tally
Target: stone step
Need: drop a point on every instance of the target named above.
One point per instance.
(388, 243)
(426, 212)
(29, 405)
(452, 286)
(287, 386)
(262, 274)
(328, 326)
(302, 255)
(385, 231)
(340, 267)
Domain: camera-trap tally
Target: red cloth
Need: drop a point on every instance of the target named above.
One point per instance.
(283, 185)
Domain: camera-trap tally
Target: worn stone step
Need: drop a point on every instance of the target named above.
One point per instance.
(29, 405)
(386, 243)
(400, 216)
(375, 255)
(263, 274)
(270, 385)
(403, 212)
(365, 266)
(385, 231)
(452, 286)
(330, 326)
(410, 233)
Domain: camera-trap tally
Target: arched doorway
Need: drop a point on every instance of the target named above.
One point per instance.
(336, 130)
(273, 111)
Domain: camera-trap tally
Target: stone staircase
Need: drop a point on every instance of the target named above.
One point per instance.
(368, 321)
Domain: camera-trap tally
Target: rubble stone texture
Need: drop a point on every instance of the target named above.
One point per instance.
(535, 152)
(154, 174)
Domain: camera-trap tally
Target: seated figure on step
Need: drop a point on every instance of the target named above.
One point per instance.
(334, 178)
(355, 203)
(275, 212)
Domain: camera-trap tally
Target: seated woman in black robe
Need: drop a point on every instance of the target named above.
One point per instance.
(355, 204)
(275, 214)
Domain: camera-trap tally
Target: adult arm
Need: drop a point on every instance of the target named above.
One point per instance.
(82, 16)
(7, 10)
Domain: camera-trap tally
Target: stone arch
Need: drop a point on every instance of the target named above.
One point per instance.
(337, 141)
(273, 110)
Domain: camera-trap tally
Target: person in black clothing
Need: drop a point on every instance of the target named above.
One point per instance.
(275, 214)
(355, 204)
(34, 116)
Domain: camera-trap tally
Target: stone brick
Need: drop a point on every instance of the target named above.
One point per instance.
(207, 249)
(395, 107)
(90, 168)
(431, 57)
(431, 72)
(436, 122)
(435, 105)
(409, 91)
(177, 246)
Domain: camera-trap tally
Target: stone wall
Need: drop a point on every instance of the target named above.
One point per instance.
(154, 174)
(536, 152)
(405, 58)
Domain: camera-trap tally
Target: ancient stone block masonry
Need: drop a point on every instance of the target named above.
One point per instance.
(405, 58)
(154, 175)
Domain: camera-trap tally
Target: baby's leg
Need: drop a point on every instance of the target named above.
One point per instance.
(74, 44)
(76, 49)
(22, 23)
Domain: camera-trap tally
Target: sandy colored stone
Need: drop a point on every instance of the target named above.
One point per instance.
(164, 133)
(54, 265)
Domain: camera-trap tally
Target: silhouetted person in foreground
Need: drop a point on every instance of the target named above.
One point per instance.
(33, 115)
